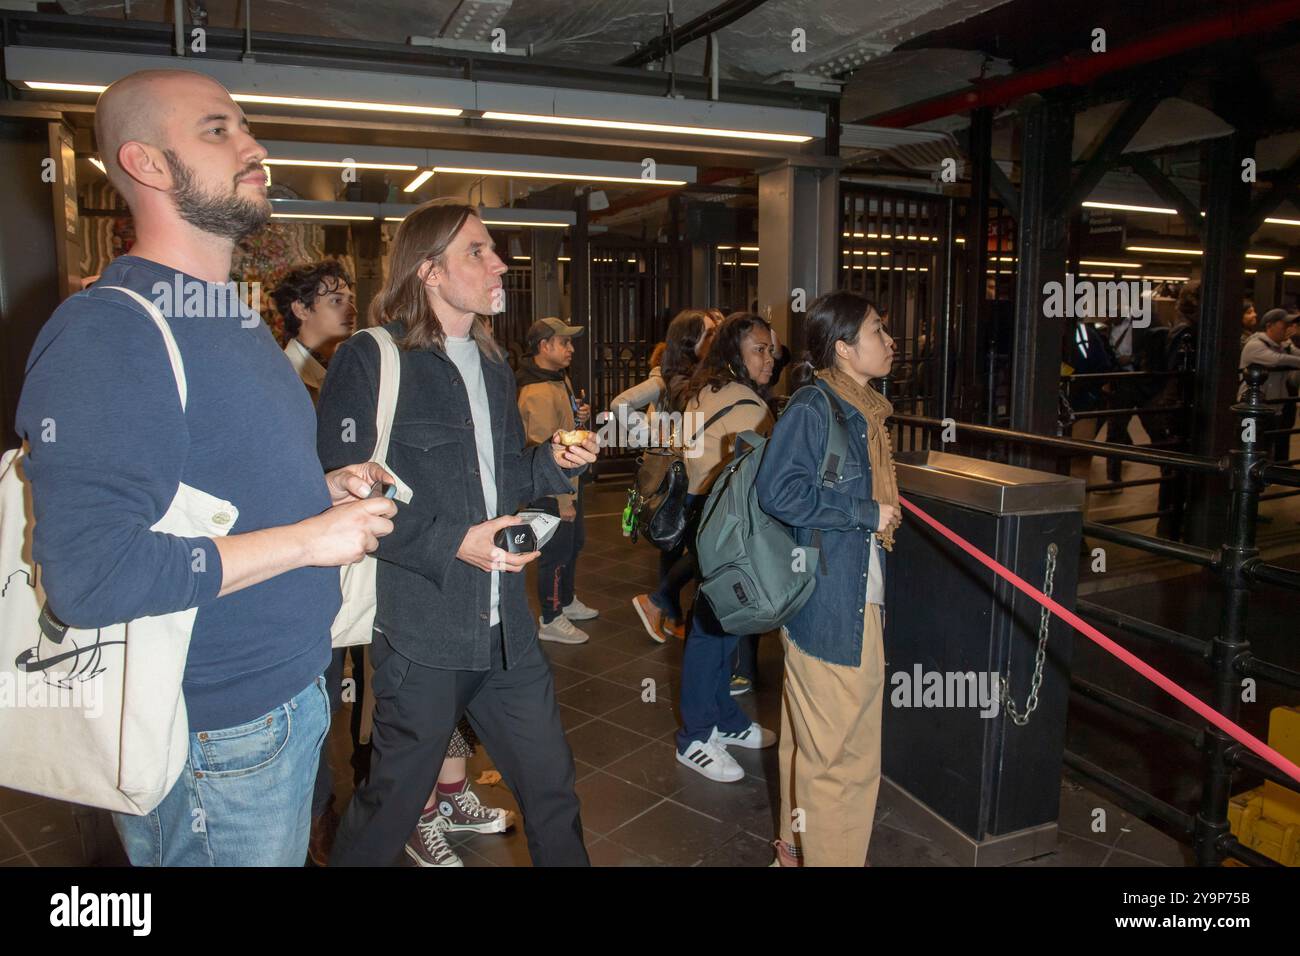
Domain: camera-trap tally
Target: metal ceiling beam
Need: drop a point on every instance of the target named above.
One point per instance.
(703, 25)
(1284, 184)
(1120, 134)
(1086, 69)
(1163, 187)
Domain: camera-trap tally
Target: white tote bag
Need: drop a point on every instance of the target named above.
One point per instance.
(355, 621)
(95, 717)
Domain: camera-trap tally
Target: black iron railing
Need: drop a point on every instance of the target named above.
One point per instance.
(1227, 655)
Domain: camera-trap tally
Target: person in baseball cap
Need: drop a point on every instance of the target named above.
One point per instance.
(547, 404)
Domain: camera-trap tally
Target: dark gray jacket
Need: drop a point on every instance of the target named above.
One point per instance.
(432, 606)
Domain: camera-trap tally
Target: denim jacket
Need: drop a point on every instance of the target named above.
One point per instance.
(829, 626)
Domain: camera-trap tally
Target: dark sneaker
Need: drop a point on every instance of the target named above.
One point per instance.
(740, 685)
(428, 845)
(464, 812)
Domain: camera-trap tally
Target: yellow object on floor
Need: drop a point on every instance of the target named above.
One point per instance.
(1267, 819)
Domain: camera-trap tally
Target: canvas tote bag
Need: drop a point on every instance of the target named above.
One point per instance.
(355, 621)
(94, 716)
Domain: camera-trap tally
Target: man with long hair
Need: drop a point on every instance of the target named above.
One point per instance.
(453, 631)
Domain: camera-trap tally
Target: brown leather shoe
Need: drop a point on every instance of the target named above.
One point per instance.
(323, 830)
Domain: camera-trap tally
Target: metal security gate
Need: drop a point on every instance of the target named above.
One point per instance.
(633, 286)
(511, 326)
(893, 251)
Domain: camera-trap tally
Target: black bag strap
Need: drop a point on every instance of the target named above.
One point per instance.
(719, 414)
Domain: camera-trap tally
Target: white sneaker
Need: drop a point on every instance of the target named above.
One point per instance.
(575, 610)
(562, 631)
(752, 737)
(711, 760)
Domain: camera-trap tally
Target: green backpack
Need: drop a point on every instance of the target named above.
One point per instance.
(751, 569)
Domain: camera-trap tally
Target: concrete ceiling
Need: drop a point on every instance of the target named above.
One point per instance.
(840, 34)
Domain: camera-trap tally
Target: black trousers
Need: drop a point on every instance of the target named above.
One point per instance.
(513, 712)
(557, 568)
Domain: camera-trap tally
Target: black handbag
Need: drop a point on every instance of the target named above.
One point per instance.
(658, 498)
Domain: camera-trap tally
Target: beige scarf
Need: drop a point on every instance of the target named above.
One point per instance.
(875, 408)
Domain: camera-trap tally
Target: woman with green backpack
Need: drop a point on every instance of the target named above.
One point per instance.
(723, 399)
(834, 655)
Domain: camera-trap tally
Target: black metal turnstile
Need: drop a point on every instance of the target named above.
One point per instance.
(952, 629)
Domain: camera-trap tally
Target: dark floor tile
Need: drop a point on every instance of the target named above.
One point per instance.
(500, 849)
(582, 769)
(634, 673)
(653, 767)
(1070, 852)
(626, 614)
(45, 822)
(605, 853)
(600, 743)
(1079, 817)
(1120, 858)
(1139, 839)
(891, 847)
(652, 718)
(744, 849)
(16, 861)
(572, 719)
(673, 835)
(590, 658)
(566, 676)
(64, 853)
(11, 800)
(8, 845)
(751, 803)
(608, 803)
(597, 696)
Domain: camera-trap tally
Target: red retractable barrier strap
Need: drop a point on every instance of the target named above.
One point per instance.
(1087, 630)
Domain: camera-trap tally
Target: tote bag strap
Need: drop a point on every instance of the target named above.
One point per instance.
(390, 382)
(169, 340)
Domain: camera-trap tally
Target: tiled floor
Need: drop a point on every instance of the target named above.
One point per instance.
(640, 807)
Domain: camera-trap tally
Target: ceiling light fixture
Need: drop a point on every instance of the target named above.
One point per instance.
(317, 215)
(1166, 249)
(98, 164)
(1125, 207)
(418, 181)
(644, 127)
(265, 100)
(345, 104)
(583, 177)
(1111, 265)
(335, 164)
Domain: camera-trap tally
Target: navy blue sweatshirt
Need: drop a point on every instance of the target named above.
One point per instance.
(99, 383)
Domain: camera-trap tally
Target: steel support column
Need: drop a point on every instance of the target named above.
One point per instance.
(1041, 248)
(798, 239)
(969, 404)
(1212, 421)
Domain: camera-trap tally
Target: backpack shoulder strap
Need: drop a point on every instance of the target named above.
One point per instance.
(169, 340)
(390, 381)
(720, 413)
(837, 439)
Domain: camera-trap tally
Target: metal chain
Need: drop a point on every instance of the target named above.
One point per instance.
(1044, 620)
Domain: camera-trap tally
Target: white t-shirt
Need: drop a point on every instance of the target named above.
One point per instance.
(464, 352)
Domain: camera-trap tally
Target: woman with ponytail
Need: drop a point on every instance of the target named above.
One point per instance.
(834, 655)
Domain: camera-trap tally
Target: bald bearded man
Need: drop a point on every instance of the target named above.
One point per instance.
(179, 150)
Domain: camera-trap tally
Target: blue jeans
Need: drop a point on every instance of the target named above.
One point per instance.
(706, 700)
(244, 795)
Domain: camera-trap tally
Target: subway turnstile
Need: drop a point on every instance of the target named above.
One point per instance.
(984, 784)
